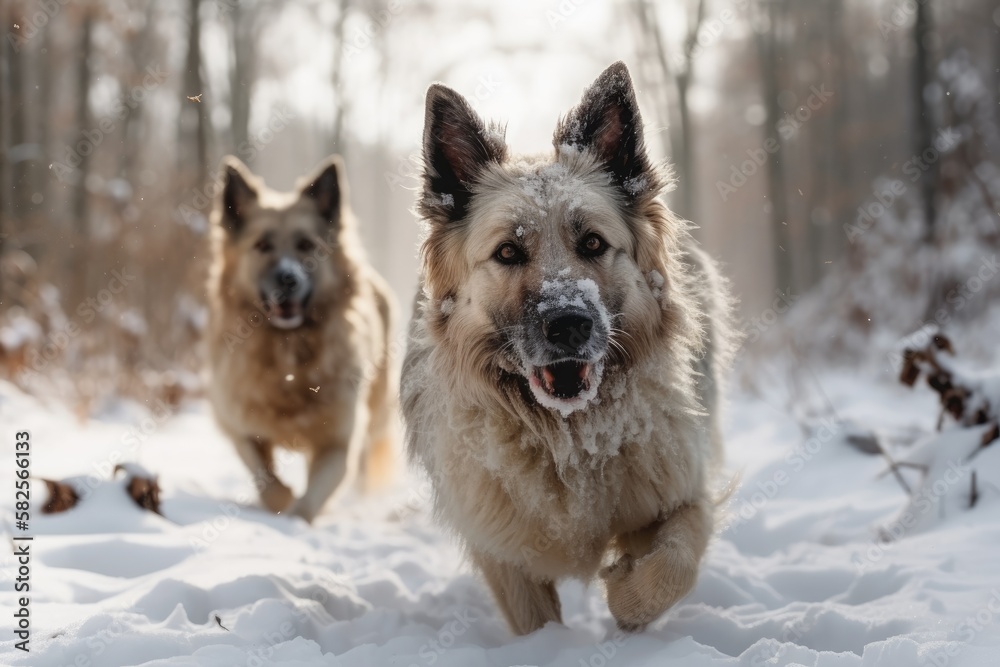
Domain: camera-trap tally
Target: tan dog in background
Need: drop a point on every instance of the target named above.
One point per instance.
(561, 381)
(299, 336)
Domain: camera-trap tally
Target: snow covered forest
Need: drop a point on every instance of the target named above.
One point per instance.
(841, 158)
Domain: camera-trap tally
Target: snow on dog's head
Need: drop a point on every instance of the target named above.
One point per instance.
(536, 269)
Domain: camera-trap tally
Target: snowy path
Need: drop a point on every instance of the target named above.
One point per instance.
(799, 580)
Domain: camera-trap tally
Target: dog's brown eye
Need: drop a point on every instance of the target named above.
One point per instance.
(264, 245)
(508, 253)
(305, 245)
(593, 246)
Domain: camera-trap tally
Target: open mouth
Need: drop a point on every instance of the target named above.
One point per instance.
(565, 379)
(285, 313)
(286, 316)
(565, 386)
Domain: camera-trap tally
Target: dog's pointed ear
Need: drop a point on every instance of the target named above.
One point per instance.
(239, 192)
(457, 146)
(607, 123)
(327, 187)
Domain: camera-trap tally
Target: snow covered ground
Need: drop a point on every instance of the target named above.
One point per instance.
(799, 576)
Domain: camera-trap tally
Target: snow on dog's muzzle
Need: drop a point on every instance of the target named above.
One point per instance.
(564, 353)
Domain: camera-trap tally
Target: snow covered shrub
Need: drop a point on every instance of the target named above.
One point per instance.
(904, 273)
(959, 463)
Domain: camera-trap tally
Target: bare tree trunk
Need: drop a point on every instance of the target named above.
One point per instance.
(818, 38)
(33, 168)
(140, 55)
(194, 112)
(243, 36)
(685, 160)
(767, 44)
(650, 32)
(19, 126)
(45, 79)
(682, 134)
(339, 102)
(923, 137)
(840, 150)
(923, 125)
(81, 201)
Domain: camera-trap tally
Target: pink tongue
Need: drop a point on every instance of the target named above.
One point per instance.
(549, 378)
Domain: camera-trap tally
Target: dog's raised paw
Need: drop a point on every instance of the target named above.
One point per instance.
(640, 590)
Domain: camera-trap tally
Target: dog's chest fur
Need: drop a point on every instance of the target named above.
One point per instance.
(550, 499)
(287, 386)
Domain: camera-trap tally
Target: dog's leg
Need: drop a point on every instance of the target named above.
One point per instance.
(657, 565)
(330, 470)
(526, 603)
(380, 460)
(333, 468)
(258, 455)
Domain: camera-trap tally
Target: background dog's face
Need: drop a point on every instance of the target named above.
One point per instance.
(545, 271)
(280, 250)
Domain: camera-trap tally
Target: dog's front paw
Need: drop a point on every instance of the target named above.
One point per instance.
(640, 590)
(303, 509)
(622, 595)
(276, 496)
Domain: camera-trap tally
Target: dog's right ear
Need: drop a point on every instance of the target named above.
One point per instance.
(327, 189)
(239, 191)
(457, 146)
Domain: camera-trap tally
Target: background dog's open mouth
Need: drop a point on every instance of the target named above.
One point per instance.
(565, 379)
(285, 314)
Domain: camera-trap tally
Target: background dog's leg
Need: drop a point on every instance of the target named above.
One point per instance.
(329, 470)
(380, 459)
(258, 455)
(657, 565)
(526, 603)
(333, 467)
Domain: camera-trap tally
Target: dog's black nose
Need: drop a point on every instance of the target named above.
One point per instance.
(286, 279)
(569, 332)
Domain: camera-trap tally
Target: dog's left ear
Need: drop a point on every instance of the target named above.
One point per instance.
(327, 187)
(607, 123)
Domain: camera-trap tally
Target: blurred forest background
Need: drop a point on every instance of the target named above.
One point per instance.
(842, 157)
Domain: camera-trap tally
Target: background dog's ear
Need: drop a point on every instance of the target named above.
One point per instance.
(239, 191)
(607, 123)
(327, 188)
(457, 145)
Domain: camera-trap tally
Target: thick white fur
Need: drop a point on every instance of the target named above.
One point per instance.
(551, 497)
(624, 489)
